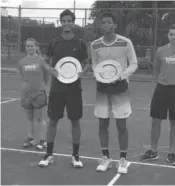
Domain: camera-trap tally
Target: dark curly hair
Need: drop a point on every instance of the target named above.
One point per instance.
(108, 14)
(67, 12)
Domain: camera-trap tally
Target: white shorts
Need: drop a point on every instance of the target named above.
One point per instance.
(118, 104)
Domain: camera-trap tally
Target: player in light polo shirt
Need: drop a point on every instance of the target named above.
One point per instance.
(163, 101)
(113, 97)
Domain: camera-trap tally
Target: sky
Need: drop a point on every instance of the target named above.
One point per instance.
(47, 4)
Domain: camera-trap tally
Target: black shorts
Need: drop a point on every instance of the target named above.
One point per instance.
(58, 101)
(163, 102)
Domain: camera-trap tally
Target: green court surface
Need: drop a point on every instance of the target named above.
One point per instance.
(19, 166)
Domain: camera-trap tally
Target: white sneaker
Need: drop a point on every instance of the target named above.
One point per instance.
(104, 164)
(46, 160)
(122, 166)
(76, 162)
(41, 145)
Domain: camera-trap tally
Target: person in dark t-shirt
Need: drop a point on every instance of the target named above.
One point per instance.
(65, 95)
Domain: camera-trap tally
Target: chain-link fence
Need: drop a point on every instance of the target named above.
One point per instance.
(147, 28)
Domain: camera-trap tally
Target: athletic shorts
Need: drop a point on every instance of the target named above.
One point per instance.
(118, 104)
(58, 101)
(32, 99)
(163, 102)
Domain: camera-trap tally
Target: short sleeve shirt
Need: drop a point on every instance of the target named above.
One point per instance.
(165, 56)
(32, 72)
(60, 48)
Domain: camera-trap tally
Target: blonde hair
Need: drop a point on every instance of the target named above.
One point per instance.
(36, 44)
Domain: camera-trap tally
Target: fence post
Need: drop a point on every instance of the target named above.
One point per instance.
(85, 21)
(19, 30)
(155, 34)
(9, 36)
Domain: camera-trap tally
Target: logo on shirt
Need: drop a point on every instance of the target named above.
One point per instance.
(170, 59)
(74, 49)
(30, 67)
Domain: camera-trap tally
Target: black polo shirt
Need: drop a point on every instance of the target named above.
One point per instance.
(60, 48)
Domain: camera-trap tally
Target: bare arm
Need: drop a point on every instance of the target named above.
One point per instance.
(84, 58)
(48, 68)
(156, 67)
(45, 75)
(46, 63)
(86, 65)
(19, 69)
(47, 58)
(94, 57)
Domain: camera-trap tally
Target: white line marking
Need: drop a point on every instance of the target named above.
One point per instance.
(14, 99)
(8, 101)
(8, 98)
(116, 177)
(143, 109)
(86, 104)
(85, 157)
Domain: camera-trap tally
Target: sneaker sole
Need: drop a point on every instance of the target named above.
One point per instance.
(151, 159)
(173, 164)
(38, 148)
(109, 167)
(76, 166)
(42, 166)
(121, 171)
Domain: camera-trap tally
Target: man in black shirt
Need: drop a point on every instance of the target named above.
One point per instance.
(69, 95)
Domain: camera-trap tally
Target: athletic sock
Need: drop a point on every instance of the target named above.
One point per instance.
(123, 154)
(30, 138)
(105, 152)
(75, 147)
(50, 147)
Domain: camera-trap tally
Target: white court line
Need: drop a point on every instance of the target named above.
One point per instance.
(85, 157)
(143, 109)
(116, 177)
(86, 104)
(11, 100)
(14, 99)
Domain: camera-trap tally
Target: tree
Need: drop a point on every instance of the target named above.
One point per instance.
(137, 24)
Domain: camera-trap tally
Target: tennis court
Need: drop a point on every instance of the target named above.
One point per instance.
(19, 166)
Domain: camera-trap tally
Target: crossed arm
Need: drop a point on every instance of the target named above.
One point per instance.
(48, 67)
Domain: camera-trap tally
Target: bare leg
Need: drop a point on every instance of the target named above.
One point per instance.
(30, 118)
(172, 137)
(39, 113)
(76, 134)
(122, 136)
(155, 133)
